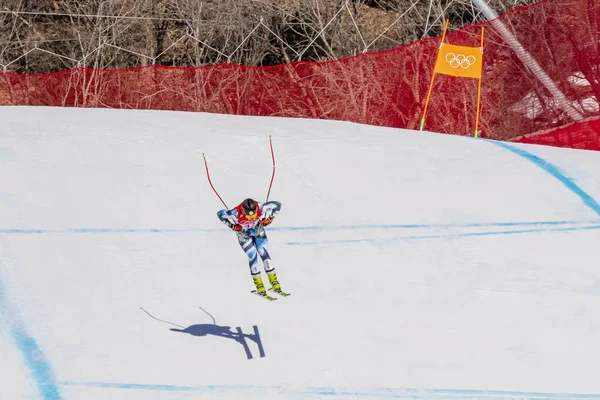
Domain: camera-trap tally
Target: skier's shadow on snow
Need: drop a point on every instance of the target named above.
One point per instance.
(227, 333)
(219, 331)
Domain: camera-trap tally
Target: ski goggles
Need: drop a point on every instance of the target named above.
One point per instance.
(251, 216)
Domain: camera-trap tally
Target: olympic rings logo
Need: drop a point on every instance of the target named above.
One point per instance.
(460, 60)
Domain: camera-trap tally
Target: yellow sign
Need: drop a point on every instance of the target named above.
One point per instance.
(461, 61)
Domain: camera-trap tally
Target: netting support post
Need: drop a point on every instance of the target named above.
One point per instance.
(528, 60)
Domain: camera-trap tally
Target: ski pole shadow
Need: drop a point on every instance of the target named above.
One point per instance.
(203, 330)
(225, 332)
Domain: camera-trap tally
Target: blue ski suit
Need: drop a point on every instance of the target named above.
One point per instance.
(252, 237)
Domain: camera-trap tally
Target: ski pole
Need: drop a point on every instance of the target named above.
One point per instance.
(273, 175)
(209, 181)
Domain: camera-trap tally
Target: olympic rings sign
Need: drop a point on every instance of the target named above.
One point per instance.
(460, 60)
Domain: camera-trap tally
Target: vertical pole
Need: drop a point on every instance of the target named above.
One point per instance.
(433, 77)
(479, 89)
(427, 102)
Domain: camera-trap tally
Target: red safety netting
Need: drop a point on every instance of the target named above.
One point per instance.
(584, 135)
(384, 88)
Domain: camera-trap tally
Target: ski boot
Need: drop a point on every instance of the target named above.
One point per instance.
(274, 282)
(275, 286)
(260, 288)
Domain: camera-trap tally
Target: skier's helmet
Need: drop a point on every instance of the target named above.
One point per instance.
(249, 207)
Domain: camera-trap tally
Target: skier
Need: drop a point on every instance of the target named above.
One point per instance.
(248, 221)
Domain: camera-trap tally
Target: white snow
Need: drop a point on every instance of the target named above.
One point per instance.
(420, 265)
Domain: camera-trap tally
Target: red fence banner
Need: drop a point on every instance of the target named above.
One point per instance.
(385, 88)
(584, 135)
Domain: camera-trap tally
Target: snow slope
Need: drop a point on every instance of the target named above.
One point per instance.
(420, 265)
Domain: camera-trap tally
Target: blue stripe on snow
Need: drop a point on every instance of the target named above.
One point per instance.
(35, 231)
(412, 393)
(33, 356)
(555, 172)
(446, 236)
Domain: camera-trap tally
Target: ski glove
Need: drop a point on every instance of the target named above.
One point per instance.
(266, 221)
(237, 227)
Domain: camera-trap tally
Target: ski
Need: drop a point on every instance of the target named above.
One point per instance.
(280, 292)
(265, 296)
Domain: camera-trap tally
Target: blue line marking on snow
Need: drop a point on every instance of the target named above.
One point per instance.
(446, 236)
(412, 393)
(35, 231)
(37, 363)
(428, 226)
(555, 172)
(35, 359)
